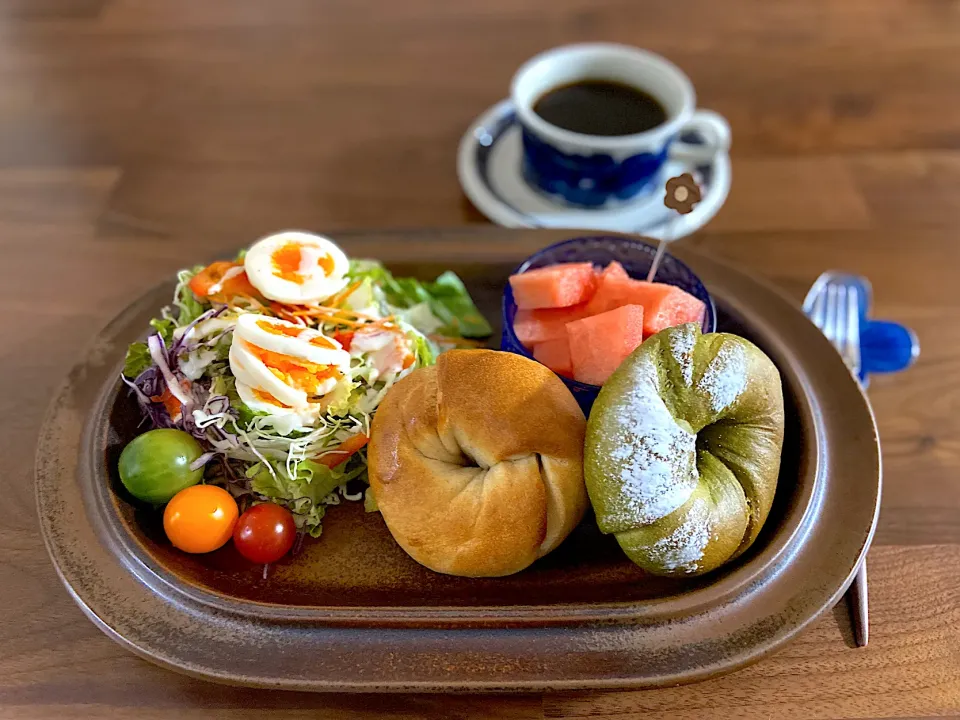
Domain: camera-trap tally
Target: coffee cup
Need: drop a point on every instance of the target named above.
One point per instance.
(581, 169)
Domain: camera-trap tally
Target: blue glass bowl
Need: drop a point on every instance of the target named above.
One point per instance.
(636, 258)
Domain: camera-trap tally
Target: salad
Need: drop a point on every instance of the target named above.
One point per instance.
(262, 377)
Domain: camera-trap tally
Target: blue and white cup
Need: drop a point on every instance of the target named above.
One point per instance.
(592, 170)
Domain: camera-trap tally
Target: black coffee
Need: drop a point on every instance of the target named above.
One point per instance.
(600, 107)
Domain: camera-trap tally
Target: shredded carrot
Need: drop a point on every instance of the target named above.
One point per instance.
(254, 304)
(344, 294)
(341, 453)
(341, 321)
(324, 314)
(325, 310)
(282, 312)
(336, 317)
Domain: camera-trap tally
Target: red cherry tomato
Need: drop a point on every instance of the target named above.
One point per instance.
(265, 533)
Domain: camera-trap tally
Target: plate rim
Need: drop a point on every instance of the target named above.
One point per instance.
(79, 586)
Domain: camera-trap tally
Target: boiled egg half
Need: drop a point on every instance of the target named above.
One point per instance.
(282, 368)
(296, 267)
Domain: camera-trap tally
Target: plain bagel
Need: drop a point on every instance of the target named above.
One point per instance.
(476, 463)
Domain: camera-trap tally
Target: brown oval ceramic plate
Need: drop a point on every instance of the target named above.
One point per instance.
(353, 612)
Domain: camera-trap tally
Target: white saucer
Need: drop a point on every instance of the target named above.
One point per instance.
(488, 165)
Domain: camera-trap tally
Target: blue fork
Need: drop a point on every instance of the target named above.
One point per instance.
(838, 304)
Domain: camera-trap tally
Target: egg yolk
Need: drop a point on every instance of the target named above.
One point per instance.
(301, 374)
(268, 398)
(319, 341)
(279, 329)
(322, 342)
(287, 261)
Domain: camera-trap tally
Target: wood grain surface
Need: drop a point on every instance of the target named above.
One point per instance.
(138, 134)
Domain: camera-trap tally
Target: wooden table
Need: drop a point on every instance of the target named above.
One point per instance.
(138, 134)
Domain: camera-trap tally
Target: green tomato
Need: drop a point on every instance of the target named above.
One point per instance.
(155, 466)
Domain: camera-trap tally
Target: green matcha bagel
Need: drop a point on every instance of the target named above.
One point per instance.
(683, 450)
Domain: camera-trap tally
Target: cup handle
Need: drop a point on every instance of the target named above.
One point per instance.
(715, 131)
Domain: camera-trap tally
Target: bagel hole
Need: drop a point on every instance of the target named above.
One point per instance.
(469, 453)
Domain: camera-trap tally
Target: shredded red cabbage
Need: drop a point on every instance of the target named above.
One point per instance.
(180, 346)
(158, 352)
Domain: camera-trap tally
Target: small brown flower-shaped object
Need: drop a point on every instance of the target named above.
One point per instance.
(682, 194)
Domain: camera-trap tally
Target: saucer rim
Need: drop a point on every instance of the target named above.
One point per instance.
(500, 211)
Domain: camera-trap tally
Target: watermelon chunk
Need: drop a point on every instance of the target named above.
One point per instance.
(664, 305)
(554, 286)
(611, 293)
(598, 344)
(614, 270)
(555, 354)
(612, 289)
(537, 326)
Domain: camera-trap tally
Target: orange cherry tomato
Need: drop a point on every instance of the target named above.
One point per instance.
(212, 278)
(344, 450)
(200, 519)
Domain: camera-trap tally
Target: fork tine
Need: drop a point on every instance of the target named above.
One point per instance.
(840, 315)
(819, 312)
(844, 340)
(830, 314)
(852, 351)
(836, 311)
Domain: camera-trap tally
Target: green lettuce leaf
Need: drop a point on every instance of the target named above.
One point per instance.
(303, 494)
(369, 501)
(164, 328)
(446, 297)
(421, 317)
(222, 348)
(340, 401)
(423, 350)
(227, 385)
(462, 317)
(295, 496)
(378, 275)
(185, 301)
(137, 360)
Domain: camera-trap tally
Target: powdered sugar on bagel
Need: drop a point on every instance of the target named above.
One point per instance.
(683, 548)
(682, 344)
(725, 377)
(654, 455)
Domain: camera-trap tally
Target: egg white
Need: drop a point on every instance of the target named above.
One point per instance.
(327, 385)
(249, 396)
(316, 284)
(299, 416)
(248, 368)
(249, 330)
